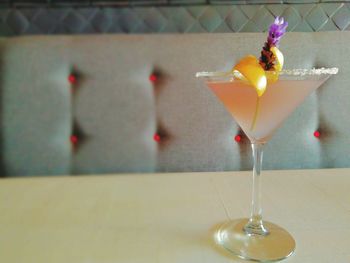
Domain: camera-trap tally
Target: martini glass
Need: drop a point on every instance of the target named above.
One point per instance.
(259, 117)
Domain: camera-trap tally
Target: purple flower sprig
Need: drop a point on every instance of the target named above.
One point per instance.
(276, 31)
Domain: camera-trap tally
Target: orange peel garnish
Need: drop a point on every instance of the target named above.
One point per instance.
(279, 58)
(251, 70)
(272, 75)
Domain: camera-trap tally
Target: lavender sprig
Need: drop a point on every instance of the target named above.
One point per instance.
(276, 31)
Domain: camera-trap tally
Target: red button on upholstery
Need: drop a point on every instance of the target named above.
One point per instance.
(153, 78)
(72, 79)
(317, 134)
(238, 138)
(156, 137)
(74, 139)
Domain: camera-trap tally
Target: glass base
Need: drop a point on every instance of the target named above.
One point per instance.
(276, 245)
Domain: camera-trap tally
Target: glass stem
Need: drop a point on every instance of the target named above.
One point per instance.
(255, 223)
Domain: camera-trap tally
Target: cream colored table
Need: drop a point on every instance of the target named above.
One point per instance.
(167, 218)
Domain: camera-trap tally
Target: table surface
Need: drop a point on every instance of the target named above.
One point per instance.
(167, 217)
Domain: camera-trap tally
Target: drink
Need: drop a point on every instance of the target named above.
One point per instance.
(259, 117)
(270, 109)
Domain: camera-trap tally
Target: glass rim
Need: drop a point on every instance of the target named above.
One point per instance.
(285, 72)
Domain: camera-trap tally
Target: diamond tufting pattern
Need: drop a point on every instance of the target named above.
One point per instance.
(328, 16)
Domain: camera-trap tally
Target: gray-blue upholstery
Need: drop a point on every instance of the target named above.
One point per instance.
(116, 110)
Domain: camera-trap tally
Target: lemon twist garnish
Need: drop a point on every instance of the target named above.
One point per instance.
(279, 58)
(272, 75)
(251, 70)
(254, 73)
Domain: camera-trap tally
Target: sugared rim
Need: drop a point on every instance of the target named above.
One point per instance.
(285, 72)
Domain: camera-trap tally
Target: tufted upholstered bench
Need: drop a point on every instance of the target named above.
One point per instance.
(114, 110)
